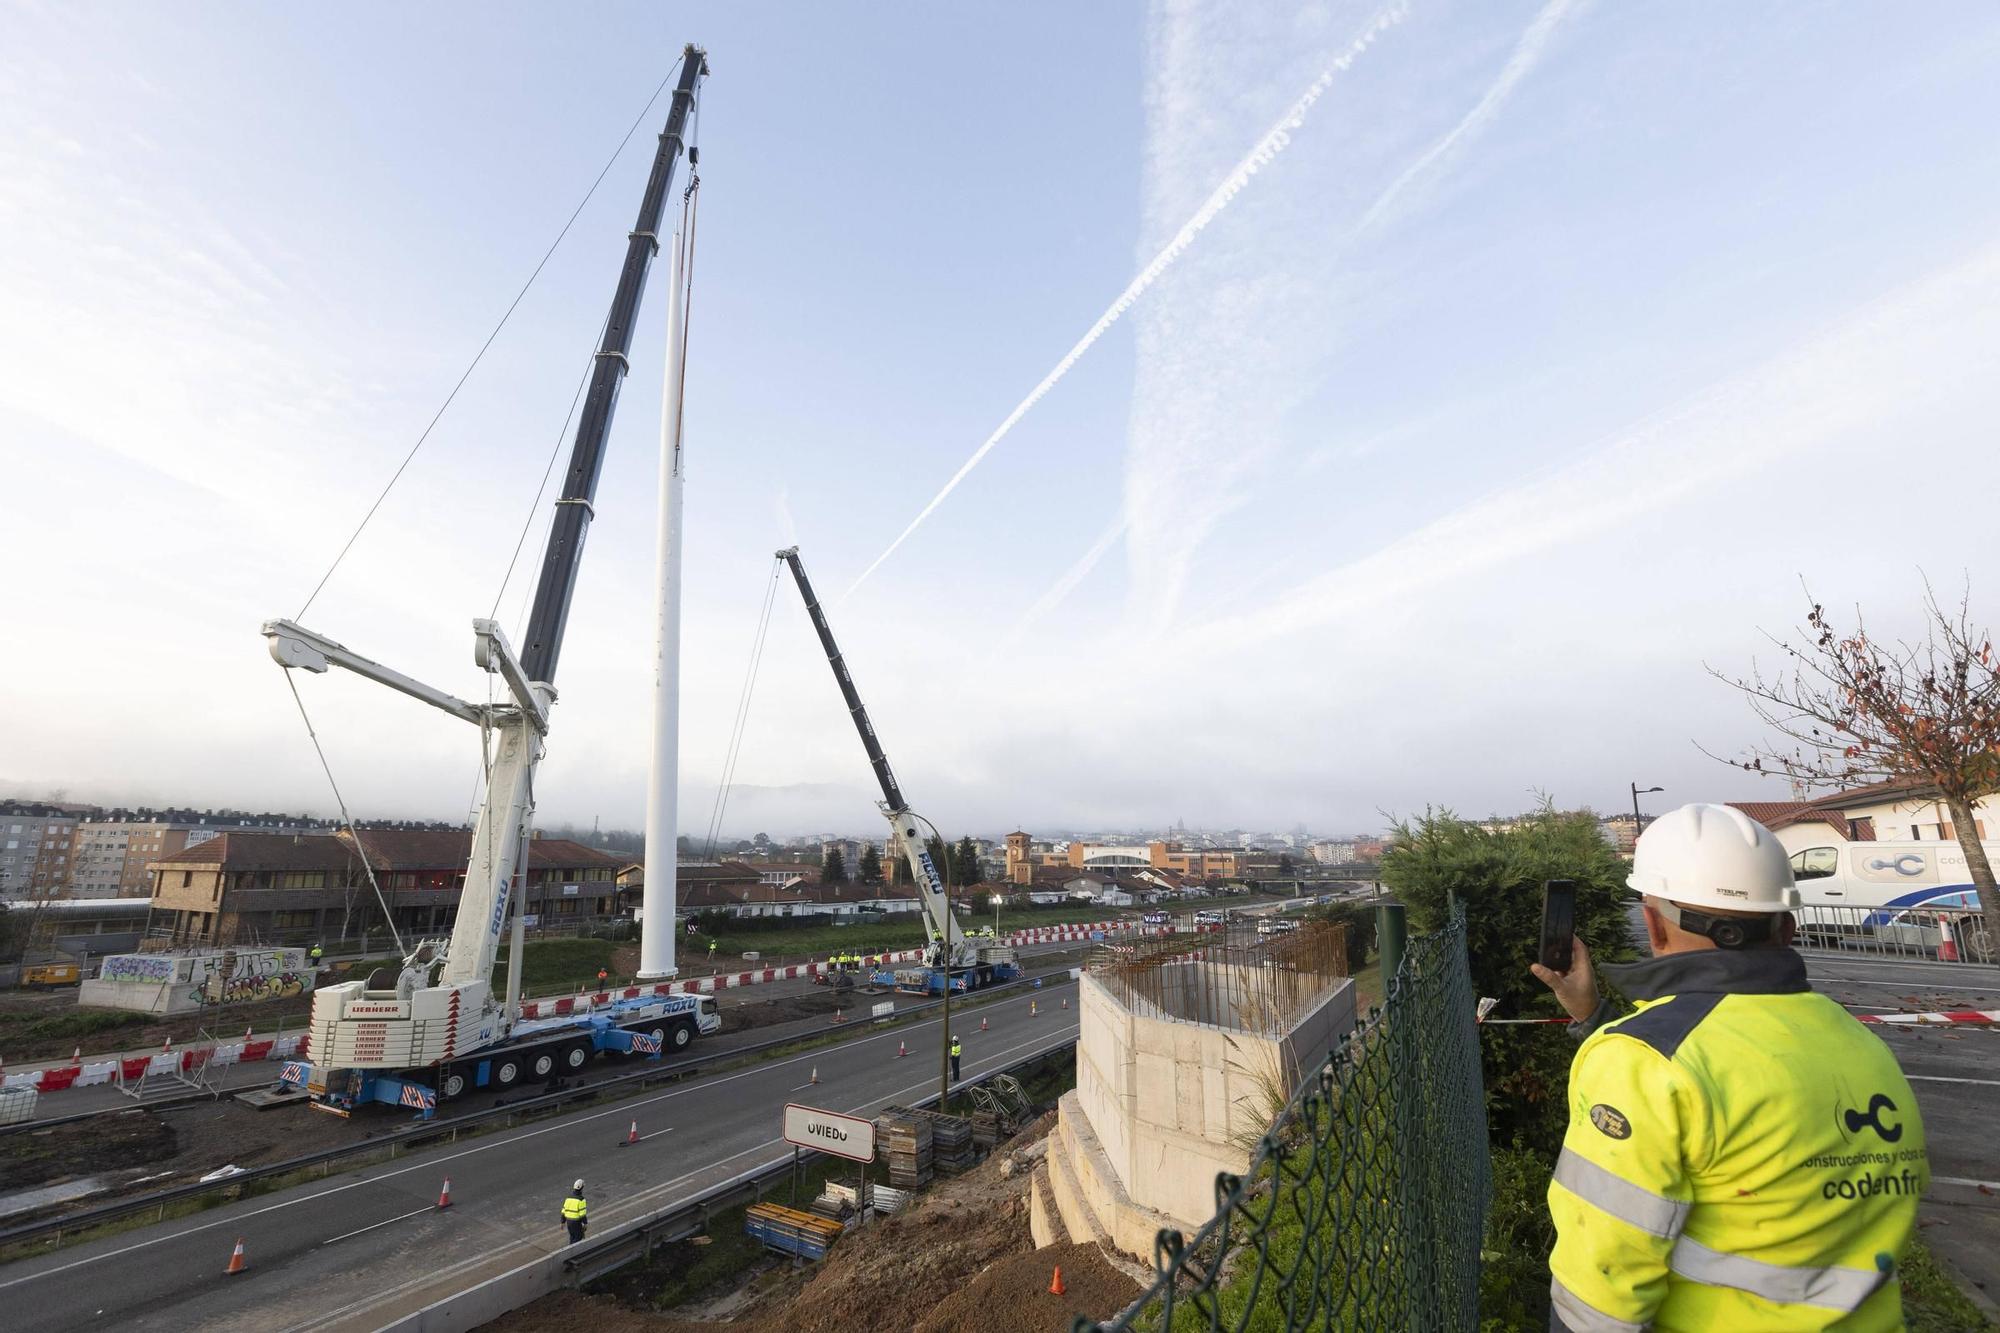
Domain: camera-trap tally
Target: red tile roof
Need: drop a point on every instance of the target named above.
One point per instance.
(1782, 814)
(267, 851)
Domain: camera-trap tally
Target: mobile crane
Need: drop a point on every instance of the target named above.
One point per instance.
(439, 1030)
(950, 959)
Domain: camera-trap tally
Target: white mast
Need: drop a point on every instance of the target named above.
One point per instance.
(656, 931)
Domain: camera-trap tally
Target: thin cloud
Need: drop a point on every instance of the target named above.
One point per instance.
(1877, 366)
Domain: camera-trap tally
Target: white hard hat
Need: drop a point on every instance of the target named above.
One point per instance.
(578, 1185)
(1713, 856)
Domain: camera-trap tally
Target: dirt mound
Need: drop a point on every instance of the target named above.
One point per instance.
(83, 1148)
(1014, 1293)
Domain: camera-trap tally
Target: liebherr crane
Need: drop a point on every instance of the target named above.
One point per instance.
(430, 1039)
(950, 959)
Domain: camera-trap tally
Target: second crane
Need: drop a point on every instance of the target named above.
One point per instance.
(950, 958)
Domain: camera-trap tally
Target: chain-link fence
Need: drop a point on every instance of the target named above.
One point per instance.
(1364, 1205)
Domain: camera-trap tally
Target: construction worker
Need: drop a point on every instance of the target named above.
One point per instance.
(711, 953)
(575, 1213)
(1741, 1153)
(956, 1051)
(315, 956)
(602, 977)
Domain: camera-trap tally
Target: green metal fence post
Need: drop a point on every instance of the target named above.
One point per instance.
(1392, 930)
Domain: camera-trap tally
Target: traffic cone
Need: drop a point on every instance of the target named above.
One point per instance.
(1056, 1287)
(837, 1017)
(815, 1077)
(249, 1032)
(631, 1135)
(1032, 1011)
(237, 1263)
(166, 1046)
(1065, 1001)
(444, 1195)
(982, 1023)
(1947, 944)
(901, 1050)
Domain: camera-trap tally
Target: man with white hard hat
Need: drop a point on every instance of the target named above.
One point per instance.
(1741, 1153)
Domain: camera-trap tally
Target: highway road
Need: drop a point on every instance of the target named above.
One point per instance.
(355, 1250)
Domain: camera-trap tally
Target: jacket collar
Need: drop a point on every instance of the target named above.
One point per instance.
(1726, 971)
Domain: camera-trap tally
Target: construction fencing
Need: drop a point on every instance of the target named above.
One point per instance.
(1364, 1205)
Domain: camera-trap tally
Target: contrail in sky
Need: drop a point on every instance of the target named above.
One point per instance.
(1261, 155)
(1527, 52)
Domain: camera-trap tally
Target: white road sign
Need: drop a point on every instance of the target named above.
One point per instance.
(830, 1132)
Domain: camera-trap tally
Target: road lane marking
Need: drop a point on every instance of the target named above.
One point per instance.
(1940, 1078)
(505, 1139)
(644, 1198)
(1990, 1186)
(383, 1223)
(656, 1133)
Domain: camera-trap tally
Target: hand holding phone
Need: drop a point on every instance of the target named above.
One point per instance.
(1558, 924)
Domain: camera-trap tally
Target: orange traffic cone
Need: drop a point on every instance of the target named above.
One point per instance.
(837, 1017)
(444, 1195)
(1947, 944)
(1065, 1001)
(1056, 1287)
(901, 1050)
(982, 1024)
(631, 1136)
(1032, 1011)
(166, 1045)
(815, 1077)
(237, 1263)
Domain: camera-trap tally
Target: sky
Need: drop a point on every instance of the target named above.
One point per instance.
(1247, 415)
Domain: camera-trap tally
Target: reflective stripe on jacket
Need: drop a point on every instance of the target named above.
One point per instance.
(574, 1208)
(1741, 1155)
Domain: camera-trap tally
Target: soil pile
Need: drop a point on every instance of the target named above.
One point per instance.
(32, 1157)
(1014, 1293)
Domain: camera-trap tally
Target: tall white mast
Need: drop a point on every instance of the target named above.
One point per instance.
(656, 931)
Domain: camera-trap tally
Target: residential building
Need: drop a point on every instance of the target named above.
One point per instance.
(265, 888)
(1879, 812)
(29, 832)
(1333, 852)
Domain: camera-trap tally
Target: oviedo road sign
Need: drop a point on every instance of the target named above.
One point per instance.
(846, 1136)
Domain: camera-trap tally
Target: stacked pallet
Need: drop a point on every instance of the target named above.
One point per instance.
(951, 1143)
(985, 1130)
(789, 1231)
(905, 1139)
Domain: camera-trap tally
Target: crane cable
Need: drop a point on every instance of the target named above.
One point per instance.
(367, 866)
(480, 355)
(742, 714)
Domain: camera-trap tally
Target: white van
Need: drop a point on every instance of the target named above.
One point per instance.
(1892, 890)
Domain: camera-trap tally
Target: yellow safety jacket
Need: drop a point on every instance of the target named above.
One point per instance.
(1741, 1155)
(574, 1208)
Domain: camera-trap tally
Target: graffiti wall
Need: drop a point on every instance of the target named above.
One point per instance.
(176, 983)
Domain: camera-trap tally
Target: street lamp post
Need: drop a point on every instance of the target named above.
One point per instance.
(1637, 819)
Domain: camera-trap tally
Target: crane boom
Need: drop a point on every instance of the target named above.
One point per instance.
(949, 947)
(586, 460)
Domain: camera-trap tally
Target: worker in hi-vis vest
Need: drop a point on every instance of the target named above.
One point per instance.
(575, 1213)
(956, 1051)
(1741, 1153)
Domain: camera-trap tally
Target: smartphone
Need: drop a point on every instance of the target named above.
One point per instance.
(1558, 923)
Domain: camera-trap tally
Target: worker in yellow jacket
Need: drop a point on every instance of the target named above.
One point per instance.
(1741, 1153)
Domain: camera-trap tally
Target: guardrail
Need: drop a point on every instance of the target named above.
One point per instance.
(592, 1259)
(447, 1131)
(1924, 933)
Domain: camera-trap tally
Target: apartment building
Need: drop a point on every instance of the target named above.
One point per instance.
(263, 888)
(28, 832)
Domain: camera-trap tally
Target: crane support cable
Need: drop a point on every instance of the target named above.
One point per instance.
(388, 917)
(480, 355)
(742, 715)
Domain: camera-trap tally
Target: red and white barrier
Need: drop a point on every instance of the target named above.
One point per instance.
(79, 1074)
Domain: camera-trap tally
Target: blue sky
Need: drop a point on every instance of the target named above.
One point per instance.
(1530, 363)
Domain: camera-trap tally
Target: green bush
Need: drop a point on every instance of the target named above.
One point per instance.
(1497, 875)
(1514, 1259)
(1360, 922)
